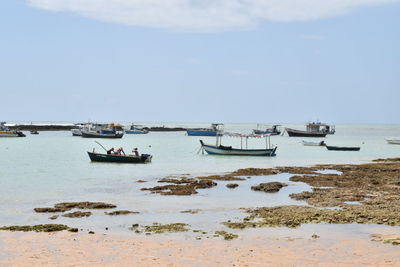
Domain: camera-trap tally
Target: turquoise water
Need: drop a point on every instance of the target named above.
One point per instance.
(41, 170)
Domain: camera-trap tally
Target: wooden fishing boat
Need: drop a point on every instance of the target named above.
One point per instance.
(313, 129)
(308, 143)
(343, 148)
(275, 130)
(393, 140)
(230, 151)
(100, 157)
(219, 149)
(215, 129)
(100, 134)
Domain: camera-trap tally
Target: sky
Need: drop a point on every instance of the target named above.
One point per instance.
(230, 61)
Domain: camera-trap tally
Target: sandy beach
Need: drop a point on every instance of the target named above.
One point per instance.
(69, 249)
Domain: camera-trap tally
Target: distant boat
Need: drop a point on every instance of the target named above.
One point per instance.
(313, 129)
(101, 134)
(99, 157)
(215, 129)
(219, 149)
(275, 130)
(135, 130)
(108, 131)
(34, 132)
(393, 140)
(76, 132)
(6, 132)
(308, 143)
(343, 148)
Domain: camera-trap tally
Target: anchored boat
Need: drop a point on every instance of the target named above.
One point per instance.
(308, 143)
(6, 132)
(135, 130)
(275, 130)
(393, 140)
(108, 131)
(343, 148)
(313, 129)
(219, 149)
(216, 129)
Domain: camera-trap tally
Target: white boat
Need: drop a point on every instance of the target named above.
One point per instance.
(393, 140)
(308, 143)
(219, 149)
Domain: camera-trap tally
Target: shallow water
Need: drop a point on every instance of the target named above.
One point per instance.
(41, 170)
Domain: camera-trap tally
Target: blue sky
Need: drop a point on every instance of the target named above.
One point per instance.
(67, 63)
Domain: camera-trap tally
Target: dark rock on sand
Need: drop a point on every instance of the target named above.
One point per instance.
(121, 212)
(53, 217)
(36, 228)
(85, 205)
(184, 189)
(60, 209)
(232, 185)
(271, 187)
(77, 214)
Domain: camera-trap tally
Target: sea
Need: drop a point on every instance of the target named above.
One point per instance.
(52, 167)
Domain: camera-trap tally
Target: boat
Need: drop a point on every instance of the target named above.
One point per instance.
(216, 129)
(275, 130)
(76, 132)
(108, 131)
(219, 149)
(119, 156)
(313, 129)
(308, 143)
(34, 132)
(135, 130)
(6, 132)
(343, 148)
(101, 157)
(393, 140)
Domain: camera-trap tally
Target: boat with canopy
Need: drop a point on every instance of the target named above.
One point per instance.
(219, 149)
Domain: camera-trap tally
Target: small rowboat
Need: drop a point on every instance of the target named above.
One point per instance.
(343, 148)
(393, 140)
(99, 157)
(308, 143)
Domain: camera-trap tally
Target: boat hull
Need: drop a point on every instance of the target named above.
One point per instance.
(260, 132)
(343, 148)
(101, 135)
(229, 151)
(306, 143)
(11, 134)
(201, 133)
(136, 132)
(393, 141)
(299, 133)
(98, 157)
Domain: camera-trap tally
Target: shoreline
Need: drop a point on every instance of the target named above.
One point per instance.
(364, 234)
(69, 249)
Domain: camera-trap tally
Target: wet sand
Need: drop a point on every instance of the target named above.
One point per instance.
(69, 249)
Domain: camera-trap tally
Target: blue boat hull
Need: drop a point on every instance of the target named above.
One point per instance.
(201, 133)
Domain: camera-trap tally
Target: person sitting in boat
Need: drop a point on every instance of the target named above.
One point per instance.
(111, 150)
(136, 152)
(120, 151)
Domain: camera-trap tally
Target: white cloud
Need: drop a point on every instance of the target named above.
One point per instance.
(204, 15)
